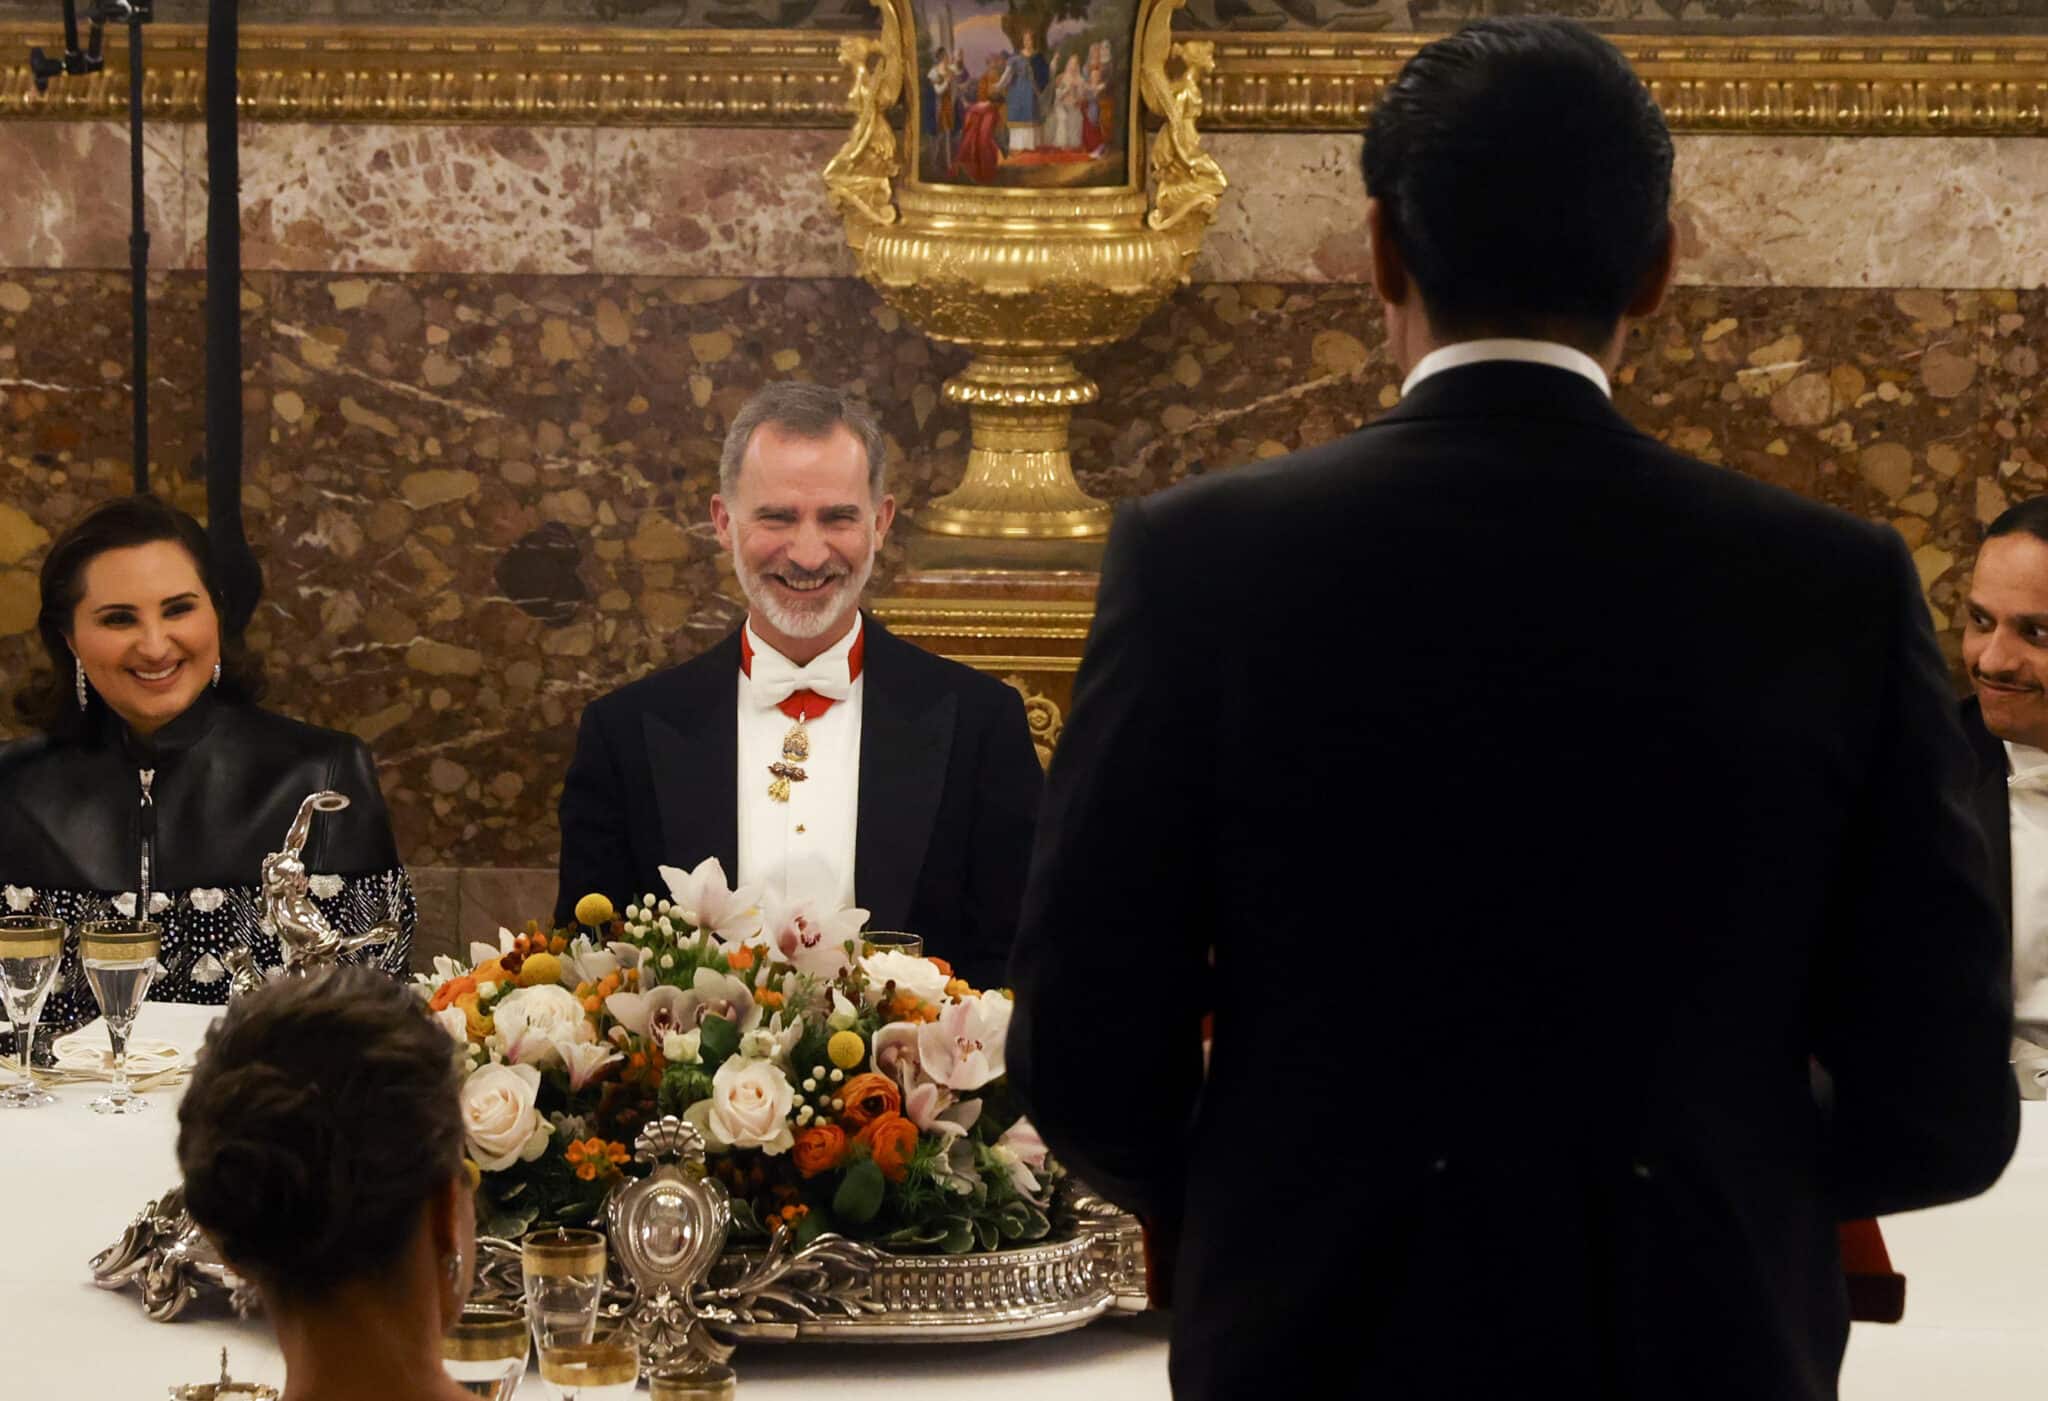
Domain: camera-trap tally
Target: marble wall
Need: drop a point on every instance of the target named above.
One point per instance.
(487, 371)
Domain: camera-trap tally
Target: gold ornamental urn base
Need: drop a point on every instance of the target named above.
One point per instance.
(1020, 476)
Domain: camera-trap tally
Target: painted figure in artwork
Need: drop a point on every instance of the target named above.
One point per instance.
(1099, 105)
(942, 99)
(1028, 75)
(1063, 132)
(979, 155)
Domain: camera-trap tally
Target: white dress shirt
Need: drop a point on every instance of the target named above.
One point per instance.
(802, 849)
(2026, 801)
(1561, 357)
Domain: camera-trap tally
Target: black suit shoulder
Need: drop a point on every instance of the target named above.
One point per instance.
(931, 673)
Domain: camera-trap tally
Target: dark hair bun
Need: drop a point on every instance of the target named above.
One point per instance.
(323, 1114)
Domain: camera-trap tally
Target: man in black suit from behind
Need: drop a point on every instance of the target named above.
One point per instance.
(1530, 804)
(2005, 652)
(823, 760)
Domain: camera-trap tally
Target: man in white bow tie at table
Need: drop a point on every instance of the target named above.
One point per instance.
(2005, 651)
(816, 756)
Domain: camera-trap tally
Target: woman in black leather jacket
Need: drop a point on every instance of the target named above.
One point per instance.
(152, 750)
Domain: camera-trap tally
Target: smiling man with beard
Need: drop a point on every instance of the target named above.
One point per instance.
(2005, 650)
(813, 753)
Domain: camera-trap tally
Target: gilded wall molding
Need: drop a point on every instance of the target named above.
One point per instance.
(1275, 81)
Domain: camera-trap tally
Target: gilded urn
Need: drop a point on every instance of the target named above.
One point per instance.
(994, 186)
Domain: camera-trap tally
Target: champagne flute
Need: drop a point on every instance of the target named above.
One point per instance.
(120, 962)
(606, 1371)
(485, 1352)
(563, 1274)
(693, 1381)
(31, 947)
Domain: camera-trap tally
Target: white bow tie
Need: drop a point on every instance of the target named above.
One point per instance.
(775, 678)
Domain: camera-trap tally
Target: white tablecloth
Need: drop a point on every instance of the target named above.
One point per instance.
(1976, 1296)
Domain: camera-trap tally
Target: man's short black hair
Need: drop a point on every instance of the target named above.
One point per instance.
(1525, 176)
(2027, 518)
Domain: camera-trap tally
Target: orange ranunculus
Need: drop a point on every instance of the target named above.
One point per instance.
(868, 1097)
(908, 1007)
(892, 1139)
(445, 995)
(819, 1149)
(491, 970)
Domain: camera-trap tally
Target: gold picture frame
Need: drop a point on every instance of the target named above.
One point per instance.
(1283, 80)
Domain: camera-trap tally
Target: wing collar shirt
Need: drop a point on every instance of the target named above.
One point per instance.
(1558, 357)
(802, 849)
(2026, 802)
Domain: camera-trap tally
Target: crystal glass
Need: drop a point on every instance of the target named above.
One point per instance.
(485, 1352)
(120, 962)
(563, 1271)
(31, 947)
(693, 1381)
(607, 1371)
(874, 941)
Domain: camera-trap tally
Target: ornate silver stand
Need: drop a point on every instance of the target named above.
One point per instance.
(675, 1286)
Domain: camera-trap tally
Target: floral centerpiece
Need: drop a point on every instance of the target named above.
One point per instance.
(837, 1089)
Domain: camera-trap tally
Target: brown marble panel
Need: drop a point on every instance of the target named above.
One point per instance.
(492, 503)
(65, 416)
(64, 203)
(439, 934)
(495, 898)
(481, 500)
(506, 199)
(706, 202)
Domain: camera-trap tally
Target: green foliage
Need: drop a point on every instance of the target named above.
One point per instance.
(719, 1040)
(682, 1086)
(860, 1193)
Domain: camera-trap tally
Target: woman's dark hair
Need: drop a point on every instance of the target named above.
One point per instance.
(324, 1114)
(1524, 174)
(48, 700)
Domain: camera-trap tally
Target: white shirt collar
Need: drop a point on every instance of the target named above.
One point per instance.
(1560, 357)
(2024, 758)
(837, 652)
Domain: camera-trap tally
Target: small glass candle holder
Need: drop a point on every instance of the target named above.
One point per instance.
(606, 1371)
(693, 1381)
(874, 941)
(486, 1351)
(563, 1273)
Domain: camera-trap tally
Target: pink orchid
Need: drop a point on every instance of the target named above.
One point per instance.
(809, 940)
(705, 901)
(963, 1049)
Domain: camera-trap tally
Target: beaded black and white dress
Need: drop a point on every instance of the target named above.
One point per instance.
(199, 804)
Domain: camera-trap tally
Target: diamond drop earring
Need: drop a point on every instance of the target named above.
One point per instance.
(216, 673)
(81, 681)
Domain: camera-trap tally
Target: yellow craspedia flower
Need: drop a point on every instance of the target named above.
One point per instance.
(594, 909)
(539, 970)
(846, 1049)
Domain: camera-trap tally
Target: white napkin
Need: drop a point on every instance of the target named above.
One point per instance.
(86, 1056)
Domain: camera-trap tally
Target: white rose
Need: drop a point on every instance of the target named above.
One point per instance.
(19, 898)
(455, 1023)
(750, 1103)
(206, 899)
(531, 1020)
(325, 887)
(919, 977)
(499, 1119)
